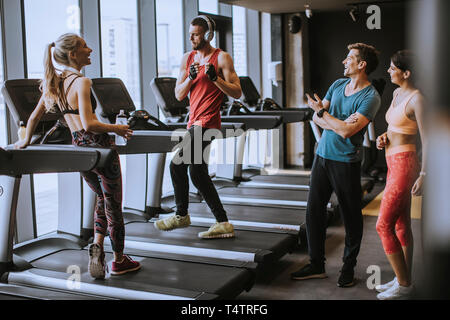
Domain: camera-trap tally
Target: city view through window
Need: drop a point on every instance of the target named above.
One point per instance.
(3, 127)
(40, 31)
(120, 49)
(169, 37)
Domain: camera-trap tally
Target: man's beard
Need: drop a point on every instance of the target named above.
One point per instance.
(200, 46)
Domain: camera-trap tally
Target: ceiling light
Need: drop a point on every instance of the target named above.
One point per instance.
(308, 11)
(354, 13)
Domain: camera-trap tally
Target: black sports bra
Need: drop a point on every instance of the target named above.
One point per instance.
(64, 105)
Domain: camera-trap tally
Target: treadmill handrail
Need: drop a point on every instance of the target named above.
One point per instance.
(256, 122)
(53, 158)
(144, 142)
(289, 115)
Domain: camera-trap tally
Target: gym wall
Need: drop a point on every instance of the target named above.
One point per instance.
(331, 32)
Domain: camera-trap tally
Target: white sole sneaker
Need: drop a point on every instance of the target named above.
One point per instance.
(119, 273)
(96, 265)
(396, 292)
(386, 286)
(217, 236)
(168, 225)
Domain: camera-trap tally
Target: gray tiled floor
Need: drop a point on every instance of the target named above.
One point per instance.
(278, 285)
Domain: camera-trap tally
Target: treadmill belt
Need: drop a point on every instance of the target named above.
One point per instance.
(253, 213)
(260, 193)
(294, 180)
(244, 241)
(225, 282)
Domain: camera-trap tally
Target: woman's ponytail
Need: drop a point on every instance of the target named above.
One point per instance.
(50, 83)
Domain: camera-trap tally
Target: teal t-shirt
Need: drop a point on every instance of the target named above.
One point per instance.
(366, 102)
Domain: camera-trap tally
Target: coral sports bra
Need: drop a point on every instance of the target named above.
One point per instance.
(398, 120)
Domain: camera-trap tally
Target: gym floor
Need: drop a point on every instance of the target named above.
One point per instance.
(275, 284)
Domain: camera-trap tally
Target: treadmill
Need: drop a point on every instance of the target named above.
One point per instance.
(241, 216)
(247, 246)
(292, 199)
(43, 263)
(252, 99)
(267, 194)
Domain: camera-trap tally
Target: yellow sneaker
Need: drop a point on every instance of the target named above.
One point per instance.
(173, 222)
(218, 230)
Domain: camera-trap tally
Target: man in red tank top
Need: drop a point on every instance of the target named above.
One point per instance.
(207, 74)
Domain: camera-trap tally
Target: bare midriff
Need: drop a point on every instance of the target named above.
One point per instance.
(399, 142)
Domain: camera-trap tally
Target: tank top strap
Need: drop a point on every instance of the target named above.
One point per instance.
(71, 83)
(64, 104)
(408, 98)
(62, 101)
(190, 59)
(214, 57)
(406, 101)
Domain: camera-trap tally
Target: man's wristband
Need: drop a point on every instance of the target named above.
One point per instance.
(320, 112)
(422, 173)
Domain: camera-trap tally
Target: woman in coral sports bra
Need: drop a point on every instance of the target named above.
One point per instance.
(405, 118)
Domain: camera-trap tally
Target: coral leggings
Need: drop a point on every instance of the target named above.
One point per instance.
(394, 220)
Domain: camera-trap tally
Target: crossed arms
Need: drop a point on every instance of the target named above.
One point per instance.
(346, 129)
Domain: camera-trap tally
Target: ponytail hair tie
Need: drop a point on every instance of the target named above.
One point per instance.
(53, 44)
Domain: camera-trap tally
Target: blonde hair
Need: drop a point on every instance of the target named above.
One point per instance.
(51, 84)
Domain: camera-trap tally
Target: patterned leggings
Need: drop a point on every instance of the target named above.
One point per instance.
(107, 184)
(394, 221)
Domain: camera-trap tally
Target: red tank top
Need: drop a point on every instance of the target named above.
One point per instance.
(205, 97)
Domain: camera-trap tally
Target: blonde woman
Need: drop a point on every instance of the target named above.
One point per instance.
(70, 91)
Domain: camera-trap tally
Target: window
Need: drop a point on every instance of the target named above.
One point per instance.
(208, 6)
(239, 41)
(40, 31)
(120, 46)
(169, 36)
(3, 127)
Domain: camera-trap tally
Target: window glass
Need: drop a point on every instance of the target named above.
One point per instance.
(40, 31)
(3, 131)
(239, 41)
(120, 45)
(169, 37)
(208, 6)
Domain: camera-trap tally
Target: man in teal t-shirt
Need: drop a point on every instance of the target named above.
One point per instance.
(348, 107)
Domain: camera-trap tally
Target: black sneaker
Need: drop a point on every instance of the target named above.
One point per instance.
(309, 272)
(346, 279)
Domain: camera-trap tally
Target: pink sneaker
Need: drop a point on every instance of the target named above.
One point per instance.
(127, 265)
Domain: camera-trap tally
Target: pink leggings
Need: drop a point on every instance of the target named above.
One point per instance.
(394, 220)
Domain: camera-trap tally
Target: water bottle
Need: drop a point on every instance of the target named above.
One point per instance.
(121, 119)
(22, 132)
